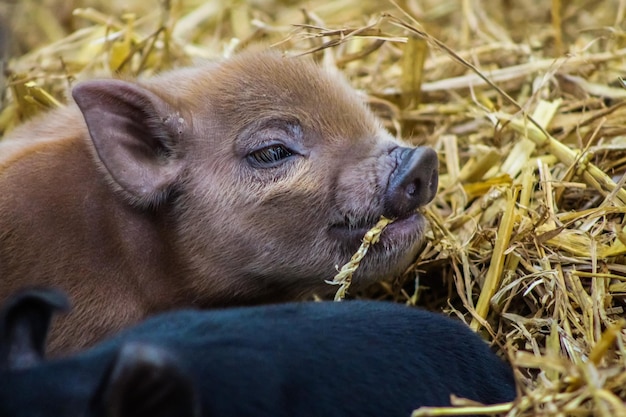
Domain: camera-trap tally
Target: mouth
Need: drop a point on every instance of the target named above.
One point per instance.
(401, 232)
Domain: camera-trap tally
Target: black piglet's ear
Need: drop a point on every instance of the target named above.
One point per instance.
(145, 381)
(24, 322)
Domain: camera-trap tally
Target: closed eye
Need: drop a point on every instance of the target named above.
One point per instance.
(269, 156)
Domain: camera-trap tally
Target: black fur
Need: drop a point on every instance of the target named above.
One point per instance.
(353, 358)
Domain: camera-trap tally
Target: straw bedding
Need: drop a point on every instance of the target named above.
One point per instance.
(524, 102)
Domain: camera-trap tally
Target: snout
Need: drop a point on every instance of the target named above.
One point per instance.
(413, 183)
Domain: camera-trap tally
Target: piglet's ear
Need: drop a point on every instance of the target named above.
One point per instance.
(145, 381)
(24, 322)
(135, 134)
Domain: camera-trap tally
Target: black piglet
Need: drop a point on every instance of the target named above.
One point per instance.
(353, 358)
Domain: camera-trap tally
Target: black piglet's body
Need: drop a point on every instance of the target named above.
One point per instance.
(308, 359)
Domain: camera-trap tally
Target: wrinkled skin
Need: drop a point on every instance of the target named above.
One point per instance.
(239, 183)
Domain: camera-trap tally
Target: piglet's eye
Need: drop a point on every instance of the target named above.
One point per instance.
(270, 155)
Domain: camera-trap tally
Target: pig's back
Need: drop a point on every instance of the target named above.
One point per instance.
(351, 358)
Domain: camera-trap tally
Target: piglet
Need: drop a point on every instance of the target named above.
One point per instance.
(237, 183)
(356, 358)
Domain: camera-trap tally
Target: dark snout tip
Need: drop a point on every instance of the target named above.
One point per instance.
(414, 181)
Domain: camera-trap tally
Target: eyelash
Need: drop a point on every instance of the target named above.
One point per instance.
(269, 156)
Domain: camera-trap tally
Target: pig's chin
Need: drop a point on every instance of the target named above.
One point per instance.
(398, 245)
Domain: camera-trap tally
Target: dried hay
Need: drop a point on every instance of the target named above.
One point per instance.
(523, 100)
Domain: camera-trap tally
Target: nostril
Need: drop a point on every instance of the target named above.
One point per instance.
(413, 182)
(412, 188)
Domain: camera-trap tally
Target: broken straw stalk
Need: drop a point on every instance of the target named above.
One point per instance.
(344, 277)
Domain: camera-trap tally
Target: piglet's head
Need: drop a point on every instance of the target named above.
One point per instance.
(268, 171)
